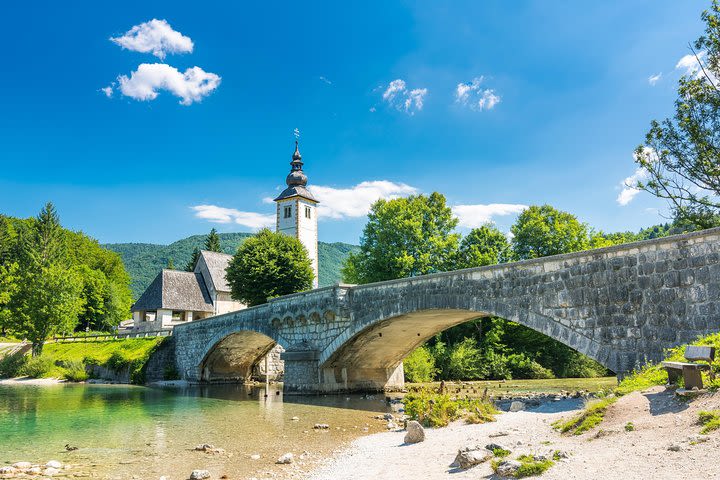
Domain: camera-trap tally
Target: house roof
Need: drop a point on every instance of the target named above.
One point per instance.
(217, 263)
(176, 290)
(296, 191)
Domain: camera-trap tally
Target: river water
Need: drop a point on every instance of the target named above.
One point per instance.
(124, 432)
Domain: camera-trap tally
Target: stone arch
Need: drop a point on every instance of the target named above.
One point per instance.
(369, 353)
(231, 356)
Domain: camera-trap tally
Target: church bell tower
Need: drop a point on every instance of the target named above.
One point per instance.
(297, 211)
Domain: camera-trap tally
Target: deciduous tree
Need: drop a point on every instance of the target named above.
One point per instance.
(542, 230)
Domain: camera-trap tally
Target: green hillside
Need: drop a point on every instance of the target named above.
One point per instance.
(143, 261)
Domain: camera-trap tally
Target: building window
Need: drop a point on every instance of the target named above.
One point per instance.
(288, 212)
(307, 212)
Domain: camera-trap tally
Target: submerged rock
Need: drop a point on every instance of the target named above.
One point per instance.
(517, 406)
(415, 432)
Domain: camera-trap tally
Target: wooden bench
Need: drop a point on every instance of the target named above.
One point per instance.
(691, 372)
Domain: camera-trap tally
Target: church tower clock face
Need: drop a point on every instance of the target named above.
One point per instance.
(297, 211)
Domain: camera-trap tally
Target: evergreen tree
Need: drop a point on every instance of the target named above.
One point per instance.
(212, 242)
(170, 264)
(190, 267)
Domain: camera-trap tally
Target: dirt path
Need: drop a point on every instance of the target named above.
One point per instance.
(659, 419)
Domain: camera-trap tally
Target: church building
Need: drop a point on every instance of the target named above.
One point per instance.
(176, 296)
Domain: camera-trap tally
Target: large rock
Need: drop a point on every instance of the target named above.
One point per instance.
(54, 464)
(415, 432)
(7, 470)
(199, 475)
(469, 458)
(517, 406)
(507, 468)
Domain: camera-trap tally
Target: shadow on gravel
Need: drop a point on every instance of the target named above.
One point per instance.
(664, 402)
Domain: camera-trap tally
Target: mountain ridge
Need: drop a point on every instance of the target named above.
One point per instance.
(143, 261)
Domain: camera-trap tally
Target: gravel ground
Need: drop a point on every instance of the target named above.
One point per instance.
(660, 420)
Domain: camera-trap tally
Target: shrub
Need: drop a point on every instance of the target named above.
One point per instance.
(464, 360)
(438, 410)
(419, 366)
(710, 420)
(75, 371)
(521, 366)
(629, 427)
(530, 467)
(38, 367)
(12, 365)
(118, 361)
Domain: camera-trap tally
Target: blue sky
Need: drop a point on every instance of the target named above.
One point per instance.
(495, 104)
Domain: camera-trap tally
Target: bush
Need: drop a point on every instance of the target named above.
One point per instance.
(419, 366)
(589, 418)
(438, 410)
(464, 361)
(38, 367)
(12, 365)
(75, 371)
(710, 420)
(521, 366)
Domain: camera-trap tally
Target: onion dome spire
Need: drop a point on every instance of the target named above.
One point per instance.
(296, 177)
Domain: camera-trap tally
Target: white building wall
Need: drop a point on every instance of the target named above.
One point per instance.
(225, 304)
(298, 225)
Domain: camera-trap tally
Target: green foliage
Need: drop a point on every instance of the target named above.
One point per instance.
(212, 242)
(710, 420)
(404, 237)
(501, 452)
(190, 267)
(170, 264)
(144, 260)
(530, 467)
(419, 366)
(12, 365)
(589, 418)
(541, 231)
(521, 366)
(269, 265)
(438, 410)
(629, 427)
(681, 155)
(482, 246)
(38, 367)
(75, 371)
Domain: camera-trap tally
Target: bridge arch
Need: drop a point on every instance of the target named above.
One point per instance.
(231, 356)
(368, 354)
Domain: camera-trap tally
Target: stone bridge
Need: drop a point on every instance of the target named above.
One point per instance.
(621, 306)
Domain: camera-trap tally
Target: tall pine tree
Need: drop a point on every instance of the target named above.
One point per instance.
(212, 242)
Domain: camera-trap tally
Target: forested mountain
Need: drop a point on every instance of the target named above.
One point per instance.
(144, 260)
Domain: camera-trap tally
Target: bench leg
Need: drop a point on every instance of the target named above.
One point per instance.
(693, 378)
(673, 376)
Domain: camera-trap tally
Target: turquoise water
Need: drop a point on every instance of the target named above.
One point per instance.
(123, 431)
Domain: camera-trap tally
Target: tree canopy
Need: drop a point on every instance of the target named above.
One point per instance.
(543, 230)
(482, 246)
(269, 265)
(680, 156)
(404, 237)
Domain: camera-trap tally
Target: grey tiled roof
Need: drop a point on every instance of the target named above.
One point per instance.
(217, 263)
(176, 290)
(296, 190)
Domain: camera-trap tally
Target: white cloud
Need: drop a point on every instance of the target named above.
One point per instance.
(689, 63)
(628, 187)
(156, 37)
(354, 202)
(474, 216)
(146, 82)
(325, 80)
(215, 214)
(653, 79)
(474, 96)
(108, 91)
(398, 96)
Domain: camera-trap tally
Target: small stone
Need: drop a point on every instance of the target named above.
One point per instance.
(204, 446)
(561, 454)
(255, 456)
(295, 419)
(50, 471)
(22, 465)
(517, 406)
(674, 447)
(470, 458)
(321, 426)
(507, 468)
(496, 446)
(501, 433)
(391, 426)
(199, 475)
(388, 417)
(7, 470)
(34, 471)
(285, 459)
(54, 464)
(415, 432)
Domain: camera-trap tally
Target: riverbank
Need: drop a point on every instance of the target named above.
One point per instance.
(664, 442)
